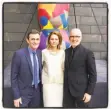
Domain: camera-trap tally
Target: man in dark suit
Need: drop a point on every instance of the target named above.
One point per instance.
(26, 73)
(80, 73)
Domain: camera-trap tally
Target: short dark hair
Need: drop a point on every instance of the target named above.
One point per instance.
(34, 31)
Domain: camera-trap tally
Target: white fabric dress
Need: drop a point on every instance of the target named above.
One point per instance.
(52, 78)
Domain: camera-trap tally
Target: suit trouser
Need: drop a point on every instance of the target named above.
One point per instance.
(70, 101)
(33, 99)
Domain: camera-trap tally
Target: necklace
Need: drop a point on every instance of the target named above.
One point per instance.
(53, 52)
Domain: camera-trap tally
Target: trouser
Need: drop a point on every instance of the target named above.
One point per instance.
(70, 101)
(33, 99)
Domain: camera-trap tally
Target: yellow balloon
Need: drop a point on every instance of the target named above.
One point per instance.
(48, 26)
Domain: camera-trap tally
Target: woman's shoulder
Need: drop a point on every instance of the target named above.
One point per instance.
(44, 50)
(62, 51)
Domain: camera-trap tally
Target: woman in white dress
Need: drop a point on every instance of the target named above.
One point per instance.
(52, 73)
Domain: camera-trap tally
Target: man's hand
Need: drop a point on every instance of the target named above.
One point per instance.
(17, 102)
(86, 97)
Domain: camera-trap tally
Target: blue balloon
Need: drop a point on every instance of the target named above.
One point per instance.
(43, 20)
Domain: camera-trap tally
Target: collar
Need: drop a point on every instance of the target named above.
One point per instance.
(75, 47)
(30, 50)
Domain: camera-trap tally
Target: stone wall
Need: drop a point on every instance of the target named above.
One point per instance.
(18, 20)
(90, 18)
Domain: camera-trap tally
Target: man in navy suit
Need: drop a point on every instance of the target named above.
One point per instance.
(26, 73)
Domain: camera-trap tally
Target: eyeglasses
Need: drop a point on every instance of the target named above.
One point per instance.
(73, 36)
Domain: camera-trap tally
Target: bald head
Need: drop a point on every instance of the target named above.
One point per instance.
(75, 37)
(76, 32)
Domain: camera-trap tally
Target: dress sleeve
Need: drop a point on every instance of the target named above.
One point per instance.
(42, 58)
(63, 59)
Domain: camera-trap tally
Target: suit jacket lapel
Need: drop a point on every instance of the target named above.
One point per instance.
(74, 56)
(27, 55)
(68, 58)
(38, 55)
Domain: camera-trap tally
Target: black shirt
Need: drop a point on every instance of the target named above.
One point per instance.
(73, 52)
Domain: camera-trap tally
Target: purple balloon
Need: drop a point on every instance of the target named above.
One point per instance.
(42, 42)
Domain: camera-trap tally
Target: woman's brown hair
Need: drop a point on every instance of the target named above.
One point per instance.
(59, 37)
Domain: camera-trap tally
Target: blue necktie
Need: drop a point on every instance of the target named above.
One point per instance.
(36, 69)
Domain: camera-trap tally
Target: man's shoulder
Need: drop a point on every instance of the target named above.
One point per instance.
(86, 49)
(67, 49)
(21, 50)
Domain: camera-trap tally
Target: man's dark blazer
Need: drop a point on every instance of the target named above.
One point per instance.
(21, 73)
(80, 72)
